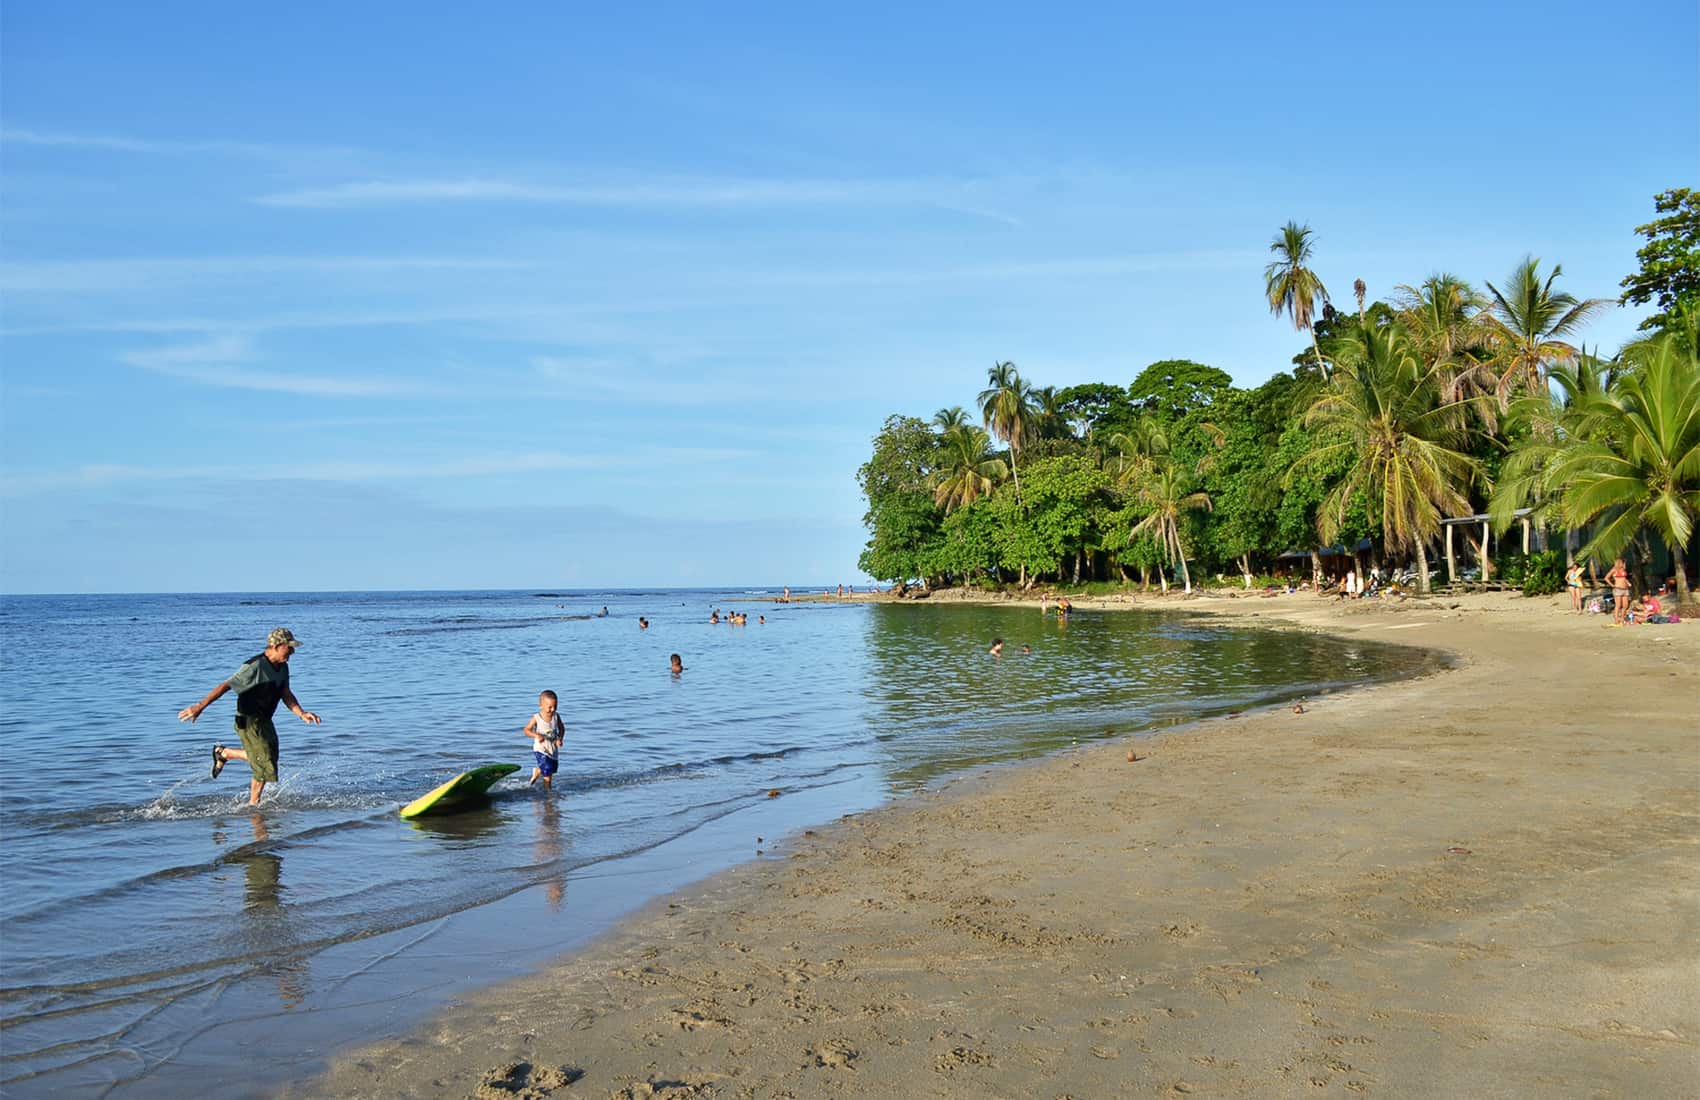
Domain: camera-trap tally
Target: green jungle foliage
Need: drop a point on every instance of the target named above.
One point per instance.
(1443, 401)
(1670, 260)
(1540, 574)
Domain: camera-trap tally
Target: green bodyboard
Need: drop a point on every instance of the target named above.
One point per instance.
(467, 787)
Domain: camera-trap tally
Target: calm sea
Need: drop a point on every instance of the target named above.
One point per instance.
(157, 936)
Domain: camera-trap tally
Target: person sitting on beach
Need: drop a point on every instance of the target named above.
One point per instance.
(1643, 609)
(546, 731)
(997, 647)
(1656, 609)
(677, 665)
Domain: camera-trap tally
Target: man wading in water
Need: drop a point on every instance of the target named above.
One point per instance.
(261, 681)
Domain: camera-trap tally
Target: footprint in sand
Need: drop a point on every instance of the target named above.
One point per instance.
(959, 1057)
(662, 1090)
(699, 1014)
(524, 1081)
(834, 1054)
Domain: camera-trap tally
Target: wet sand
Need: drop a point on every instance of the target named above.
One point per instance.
(1485, 882)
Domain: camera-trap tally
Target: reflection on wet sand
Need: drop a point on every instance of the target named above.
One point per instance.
(549, 849)
(270, 928)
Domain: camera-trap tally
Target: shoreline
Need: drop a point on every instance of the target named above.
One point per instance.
(1470, 881)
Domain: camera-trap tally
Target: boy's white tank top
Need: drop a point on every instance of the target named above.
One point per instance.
(548, 746)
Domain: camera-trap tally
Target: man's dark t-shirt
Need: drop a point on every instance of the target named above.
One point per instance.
(259, 685)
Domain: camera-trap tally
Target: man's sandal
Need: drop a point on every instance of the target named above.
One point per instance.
(218, 760)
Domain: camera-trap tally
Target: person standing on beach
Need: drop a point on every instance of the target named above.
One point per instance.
(1573, 581)
(261, 682)
(1618, 577)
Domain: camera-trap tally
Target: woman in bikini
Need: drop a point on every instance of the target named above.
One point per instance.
(1619, 580)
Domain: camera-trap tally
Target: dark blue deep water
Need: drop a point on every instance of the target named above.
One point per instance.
(157, 936)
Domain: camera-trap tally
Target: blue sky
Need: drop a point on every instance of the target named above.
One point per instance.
(379, 295)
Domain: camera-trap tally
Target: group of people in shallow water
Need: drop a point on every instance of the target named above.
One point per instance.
(262, 682)
(735, 618)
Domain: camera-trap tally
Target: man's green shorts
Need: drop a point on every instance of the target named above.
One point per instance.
(259, 741)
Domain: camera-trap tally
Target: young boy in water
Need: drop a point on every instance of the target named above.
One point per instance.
(546, 731)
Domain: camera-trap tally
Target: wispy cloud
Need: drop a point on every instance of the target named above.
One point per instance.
(217, 362)
(53, 276)
(113, 143)
(310, 319)
(101, 475)
(683, 191)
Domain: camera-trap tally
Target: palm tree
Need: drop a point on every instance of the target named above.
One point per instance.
(1527, 323)
(946, 419)
(1006, 406)
(1445, 318)
(1639, 467)
(1291, 286)
(1132, 455)
(1142, 463)
(1385, 410)
(1359, 289)
(967, 469)
(1543, 425)
(1167, 489)
(1048, 418)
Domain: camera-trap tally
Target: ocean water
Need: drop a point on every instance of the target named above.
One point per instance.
(157, 935)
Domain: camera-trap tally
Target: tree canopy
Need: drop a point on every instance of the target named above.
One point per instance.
(1670, 260)
(1446, 401)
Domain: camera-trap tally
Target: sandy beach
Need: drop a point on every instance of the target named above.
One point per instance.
(1484, 882)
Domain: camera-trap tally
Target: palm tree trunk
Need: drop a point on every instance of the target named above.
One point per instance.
(1245, 567)
(1681, 575)
(1186, 578)
(1315, 569)
(1321, 363)
(1422, 567)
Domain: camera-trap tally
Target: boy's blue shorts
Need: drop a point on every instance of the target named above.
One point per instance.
(545, 764)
